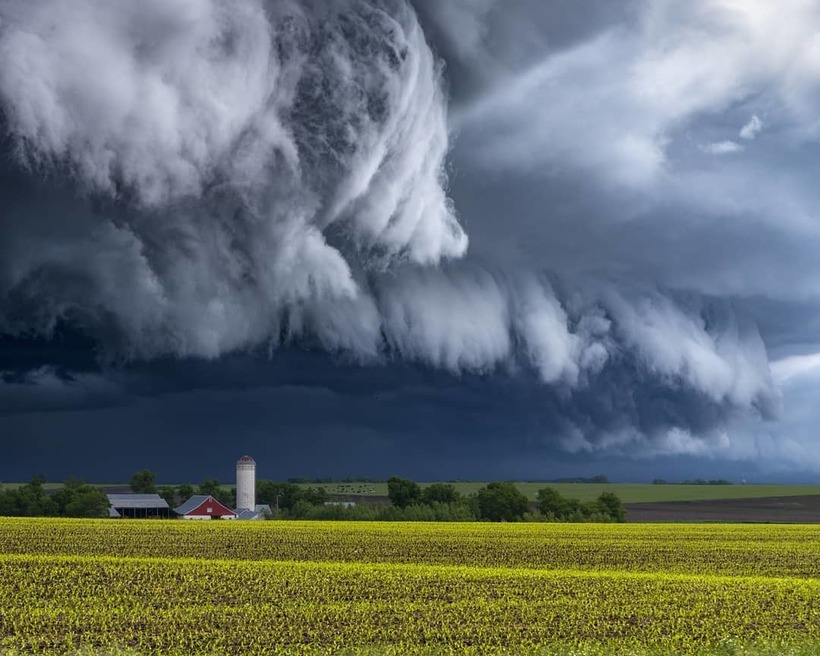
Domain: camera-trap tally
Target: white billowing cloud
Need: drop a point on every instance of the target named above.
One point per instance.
(751, 129)
(727, 362)
(466, 319)
(219, 145)
(722, 148)
(790, 443)
(678, 441)
(457, 322)
(613, 104)
(795, 366)
(542, 327)
(631, 441)
(771, 448)
(147, 96)
(350, 325)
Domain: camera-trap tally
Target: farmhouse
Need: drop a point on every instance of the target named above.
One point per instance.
(204, 506)
(138, 506)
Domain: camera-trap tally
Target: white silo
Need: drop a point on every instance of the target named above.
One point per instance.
(245, 483)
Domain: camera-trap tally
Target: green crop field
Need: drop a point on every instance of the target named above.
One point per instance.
(50, 487)
(175, 587)
(628, 492)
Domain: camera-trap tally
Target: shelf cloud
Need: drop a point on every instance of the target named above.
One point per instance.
(511, 193)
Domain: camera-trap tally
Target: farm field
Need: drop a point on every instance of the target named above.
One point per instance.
(628, 492)
(791, 510)
(50, 487)
(173, 587)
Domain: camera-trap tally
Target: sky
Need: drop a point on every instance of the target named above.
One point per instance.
(472, 239)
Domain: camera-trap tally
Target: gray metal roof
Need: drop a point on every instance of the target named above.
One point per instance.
(137, 501)
(248, 514)
(191, 503)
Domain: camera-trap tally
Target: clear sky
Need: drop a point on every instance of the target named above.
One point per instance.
(462, 239)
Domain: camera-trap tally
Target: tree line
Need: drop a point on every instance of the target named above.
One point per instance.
(409, 501)
(503, 501)
(497, 502)
(74, 499)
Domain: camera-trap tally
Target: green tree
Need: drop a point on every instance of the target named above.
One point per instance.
(65, 495)
(77, 499)
(88, 501)
(610, 504)
(403, 492)
(31, 500)
(8, 503)
(551, 503)
(143, 482)
(185, 492)
(169, 493)
(502, 502)
(210, 486)
(286, 496)
(440, 493)
(228, 497)
(315, 496)
(213, 487)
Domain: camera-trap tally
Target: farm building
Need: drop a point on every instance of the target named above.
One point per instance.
(204, 506)
(259, 511)
(138, 506)
(245, 483)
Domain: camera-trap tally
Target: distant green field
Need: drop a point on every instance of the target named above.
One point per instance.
(46, 486)
(628, 492)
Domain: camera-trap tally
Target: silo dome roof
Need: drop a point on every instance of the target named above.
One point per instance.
(246, 460)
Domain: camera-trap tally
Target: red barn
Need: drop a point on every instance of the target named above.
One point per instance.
(204, 506)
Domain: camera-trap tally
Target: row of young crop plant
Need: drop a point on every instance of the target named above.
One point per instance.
(781, 551)
(56, 604)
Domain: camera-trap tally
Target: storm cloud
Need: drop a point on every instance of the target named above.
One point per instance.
(589, 208)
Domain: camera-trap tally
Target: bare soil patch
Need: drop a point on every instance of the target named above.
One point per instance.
(789, 510)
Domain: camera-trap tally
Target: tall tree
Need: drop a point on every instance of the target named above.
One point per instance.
(213, 487)
(210, 486)
(185, 492)
(551, 503)
(611, 504)
(403, 492)
(143, 482)
(440, 493)
(169, 493)
(88, 501)
(279, 496)
(502, 502)
(29, 500)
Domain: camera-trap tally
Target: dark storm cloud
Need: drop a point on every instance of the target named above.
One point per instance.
(310, 417)
(634, 180)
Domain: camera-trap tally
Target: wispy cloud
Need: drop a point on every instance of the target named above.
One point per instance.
(751, 129)
(722, 148)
